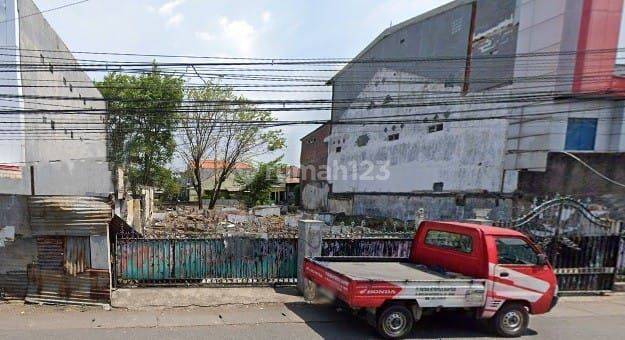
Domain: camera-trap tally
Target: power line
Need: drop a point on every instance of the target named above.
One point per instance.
(622, 185)
(44, 11)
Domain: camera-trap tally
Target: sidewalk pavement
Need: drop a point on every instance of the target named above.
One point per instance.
(137, 298)
(18, 316)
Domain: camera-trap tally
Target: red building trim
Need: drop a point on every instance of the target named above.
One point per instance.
(597, 48)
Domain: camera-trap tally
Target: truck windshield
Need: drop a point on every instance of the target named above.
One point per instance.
(515, 251)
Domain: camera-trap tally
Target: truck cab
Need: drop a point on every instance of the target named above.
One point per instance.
(513, 267)
(498, 274)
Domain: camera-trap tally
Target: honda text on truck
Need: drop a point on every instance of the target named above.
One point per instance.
(495, 273)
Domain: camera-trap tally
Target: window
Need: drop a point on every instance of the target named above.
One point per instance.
(438, 186)
(435, 128)
(394, 136)
(512, 250)
(581, 133)
(338, 149)
(453, 241)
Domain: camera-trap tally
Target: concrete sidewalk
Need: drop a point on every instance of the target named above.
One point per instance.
(139, 298)
(14, 316)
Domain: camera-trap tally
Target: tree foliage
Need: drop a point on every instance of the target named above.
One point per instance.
(257, 185)
(227, 129)
(200, 131)
(142, 117)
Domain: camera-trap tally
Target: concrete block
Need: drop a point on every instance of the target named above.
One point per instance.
(265, 210)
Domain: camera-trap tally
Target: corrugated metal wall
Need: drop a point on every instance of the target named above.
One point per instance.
(69, 216)
(64, 227)
(77, 255)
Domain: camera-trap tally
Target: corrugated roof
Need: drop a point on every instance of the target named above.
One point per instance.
(69, 215)
(212, 164)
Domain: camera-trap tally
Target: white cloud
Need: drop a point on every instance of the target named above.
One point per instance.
(168, 7)
(239, 34)
(206, 36)
(175, 20)
(265, 16)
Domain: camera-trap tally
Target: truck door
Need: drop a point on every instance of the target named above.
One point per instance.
(519, 275)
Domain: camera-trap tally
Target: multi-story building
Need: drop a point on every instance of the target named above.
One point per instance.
(474, 104)
(55, 180)
(314, 187)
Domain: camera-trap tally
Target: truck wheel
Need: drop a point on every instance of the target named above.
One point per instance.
(394, 322)
(511, 320)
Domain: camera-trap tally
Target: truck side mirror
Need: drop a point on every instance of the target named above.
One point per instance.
(542, 260)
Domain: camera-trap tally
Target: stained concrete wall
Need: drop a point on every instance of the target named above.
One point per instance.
(14, 179)
(440, 207)
(315, 195)
(67, 161)
(462, 155)
(14, 212)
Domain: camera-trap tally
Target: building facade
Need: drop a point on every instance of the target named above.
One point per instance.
(314, 186)
(55, 180)
(465, 107)
(211, 169)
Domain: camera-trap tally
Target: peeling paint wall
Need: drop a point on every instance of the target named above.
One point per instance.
(315, 195)
(441, 207)
(380, 165)
(463, 155)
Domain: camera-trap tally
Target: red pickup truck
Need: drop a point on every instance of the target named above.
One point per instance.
(495, 273)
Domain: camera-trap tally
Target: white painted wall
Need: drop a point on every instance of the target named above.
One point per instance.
(62, 165)
(465, 155)
(12, 144)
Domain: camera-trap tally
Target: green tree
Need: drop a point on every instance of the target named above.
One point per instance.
(243, 135)
(142, 117)
(227, 129)
(170, 185)
(200, 131)
(257, 185)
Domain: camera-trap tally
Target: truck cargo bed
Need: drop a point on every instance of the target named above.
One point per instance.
(384, 271)
(369, 282)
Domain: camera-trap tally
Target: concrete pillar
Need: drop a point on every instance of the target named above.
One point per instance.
(308, 245)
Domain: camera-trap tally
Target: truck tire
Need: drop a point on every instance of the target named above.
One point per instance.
(511, 320)
(394, 321)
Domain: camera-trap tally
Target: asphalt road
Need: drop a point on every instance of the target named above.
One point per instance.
(574, 318)
(441, 326)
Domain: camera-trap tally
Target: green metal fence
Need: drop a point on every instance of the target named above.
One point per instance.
(228, 260)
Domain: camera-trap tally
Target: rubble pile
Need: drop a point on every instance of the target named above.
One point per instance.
(186, 221)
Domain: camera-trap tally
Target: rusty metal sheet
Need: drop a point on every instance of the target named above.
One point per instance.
(13, 285)
(69, 215)
(89, 287)
(50, 251)
(77, 257)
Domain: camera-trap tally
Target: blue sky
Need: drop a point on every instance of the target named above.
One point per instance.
(274, 29)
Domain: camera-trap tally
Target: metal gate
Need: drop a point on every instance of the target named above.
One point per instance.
(222, 261)
(582, 247)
